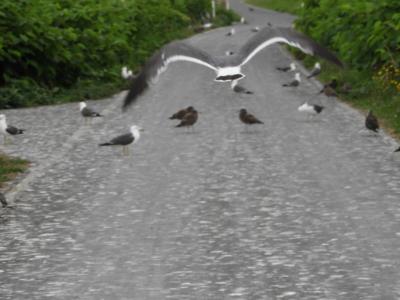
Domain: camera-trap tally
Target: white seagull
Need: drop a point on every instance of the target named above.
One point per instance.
(255, 29)
(126, 73)
(8, 130)
(296, 81)
(292, 67)
(316, 70)
(227, 68)
(87, 112)
(124, 140)
(231, 32)
(313, 109)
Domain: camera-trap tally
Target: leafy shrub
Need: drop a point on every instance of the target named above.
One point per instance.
(364, 32)
(54, 45)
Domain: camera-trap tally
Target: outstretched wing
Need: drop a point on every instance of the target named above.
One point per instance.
(268, 36)
(158, 63)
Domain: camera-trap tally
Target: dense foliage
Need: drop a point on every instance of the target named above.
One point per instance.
(49, 46)
(364, 32)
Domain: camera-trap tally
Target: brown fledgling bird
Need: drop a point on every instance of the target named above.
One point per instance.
(189, 119)
(3, 200)
(247, 118)
(371, 122)
(180, 114)
(328, 91)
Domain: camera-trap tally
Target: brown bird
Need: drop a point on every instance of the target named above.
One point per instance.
(180, 114)
(3, 200)
(328, 91)
(247, 118)
(189, 119)
(371, 122)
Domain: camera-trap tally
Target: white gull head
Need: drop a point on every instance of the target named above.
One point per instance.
(297, 76)
(292, 66)
(135, 130)
(82, 105)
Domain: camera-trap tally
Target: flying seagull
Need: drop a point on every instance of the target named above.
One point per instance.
(181, 113)
(296, 81)
(291, 67)
(124, 140)
(227, 68)
(3, 200)
(7, 130)
(239, 89)
(371, 122)
(87, 112)
(126, 73)
(247, 118)
(316, 70)
(231, 32)
(189, 119)
(311, 109)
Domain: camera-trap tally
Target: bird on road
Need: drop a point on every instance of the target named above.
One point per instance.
(227, 68)
(88, 112)
(189, 119)
(255, 29)
(397, 150)
(291, 67)
(371, 122)
(3, 200)
(8, 130)
(239, 89)
(231, 32)
(126, 73)
(251, 9)
(328, 91)
(124, 140)
(296, 81)
(316, 70)
(247, 118)
(311, 109)
(181, 113)
(229, 53)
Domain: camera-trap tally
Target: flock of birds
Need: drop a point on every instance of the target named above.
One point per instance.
(227, 69)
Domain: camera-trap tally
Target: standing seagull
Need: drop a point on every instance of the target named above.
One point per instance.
(87, 112)
(316, 70)
(126, 73)
(3, 200)
(313, 109)
(231, 32)
(189, 119)
(181, 113)
(227, 68)
(296, 81)
(255, 29)
(239, 89)
(371, 122)
(247, 118)
(7, 130)
(124, 140)
(291, 67)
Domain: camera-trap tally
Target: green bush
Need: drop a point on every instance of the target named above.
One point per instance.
(54, 45)
(365, 33)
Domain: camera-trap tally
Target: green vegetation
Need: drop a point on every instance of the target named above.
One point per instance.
(10, 167)
(289, 6)
(63, 50)
(364, 34)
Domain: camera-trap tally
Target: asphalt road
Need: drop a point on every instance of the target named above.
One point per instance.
(293, 209)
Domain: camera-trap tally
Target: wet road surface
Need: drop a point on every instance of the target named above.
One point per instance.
(293, 209)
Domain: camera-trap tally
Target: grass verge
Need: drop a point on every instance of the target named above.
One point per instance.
(11, 167)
